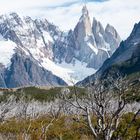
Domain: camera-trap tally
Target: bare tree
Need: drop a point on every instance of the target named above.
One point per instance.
(6, 106)
(54, 112)
(23, 105)
(45, 127)
(105, 101)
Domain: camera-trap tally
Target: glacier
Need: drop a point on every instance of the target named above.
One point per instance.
(6, 52)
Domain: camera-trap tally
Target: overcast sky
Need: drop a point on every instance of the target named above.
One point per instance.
(122, 14)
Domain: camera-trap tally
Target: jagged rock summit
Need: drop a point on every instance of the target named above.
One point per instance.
(36, 52)
(125, 60)
(93, 44)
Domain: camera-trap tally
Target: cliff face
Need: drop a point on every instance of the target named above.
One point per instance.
(125, 60)
(92, 43)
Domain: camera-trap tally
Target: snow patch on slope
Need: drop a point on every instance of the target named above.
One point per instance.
(6, 51)
(70, 73)
(48, 37)
(93, 48)
(106, 50)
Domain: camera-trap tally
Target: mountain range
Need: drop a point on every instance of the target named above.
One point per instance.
(35, 52)
(125, 61)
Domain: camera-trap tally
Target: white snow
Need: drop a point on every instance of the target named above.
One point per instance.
(6, 51)
(55, 37)
(70, 73)
(106, 50)
(136, 43)
(88, 42)
(93, 48)
(36, 53)
(47, 37)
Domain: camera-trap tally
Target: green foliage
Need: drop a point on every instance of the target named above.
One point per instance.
(64, 127)
(39, 94)
(131, 133)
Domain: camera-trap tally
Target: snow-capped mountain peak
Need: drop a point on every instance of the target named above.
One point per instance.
(39, 46)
